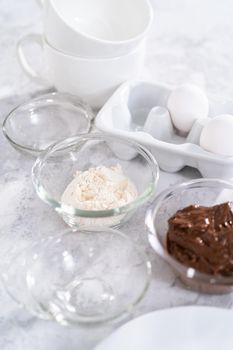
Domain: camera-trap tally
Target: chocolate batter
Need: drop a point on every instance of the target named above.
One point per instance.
(202, 238)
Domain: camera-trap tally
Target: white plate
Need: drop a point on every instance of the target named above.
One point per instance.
(182, 328)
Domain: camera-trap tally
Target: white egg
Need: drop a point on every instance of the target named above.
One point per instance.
(217, 135)
(186, 104)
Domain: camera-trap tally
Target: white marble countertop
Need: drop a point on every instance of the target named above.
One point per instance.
(190, 40)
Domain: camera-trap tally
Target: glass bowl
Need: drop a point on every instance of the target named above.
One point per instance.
(55, 169)
(90, 276)
(38, 123)
(205, 192)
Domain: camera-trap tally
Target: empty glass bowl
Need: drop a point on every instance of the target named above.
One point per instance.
(38, 123)
(205, 192)
(55, 169)
(90, 276)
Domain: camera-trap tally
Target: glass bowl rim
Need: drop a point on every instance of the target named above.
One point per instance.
(188, 272)
(42, 312)
(53, 94)
(79, 139)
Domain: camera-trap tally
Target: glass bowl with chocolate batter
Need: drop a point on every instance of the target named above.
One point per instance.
(191, 227)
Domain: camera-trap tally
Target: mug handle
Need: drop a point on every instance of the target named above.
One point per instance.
(27, 68)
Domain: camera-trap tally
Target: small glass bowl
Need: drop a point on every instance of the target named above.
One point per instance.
(90, 276)
(38, 123)
(55, 169)
(205, 192)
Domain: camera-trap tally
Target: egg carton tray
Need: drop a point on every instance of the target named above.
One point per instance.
(137, 98)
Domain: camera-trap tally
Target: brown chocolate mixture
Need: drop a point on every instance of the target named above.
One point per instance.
(202, 238)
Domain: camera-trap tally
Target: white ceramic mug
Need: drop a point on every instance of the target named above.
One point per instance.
(96, 28)
(93, 80)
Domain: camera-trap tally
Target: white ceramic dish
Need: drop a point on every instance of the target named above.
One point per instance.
(93, 80)
(137, 98)
(97, 29)
(182, 328)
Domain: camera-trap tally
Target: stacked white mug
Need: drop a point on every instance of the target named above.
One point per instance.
(90, 46)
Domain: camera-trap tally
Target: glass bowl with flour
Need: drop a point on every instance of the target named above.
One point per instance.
(95, 179)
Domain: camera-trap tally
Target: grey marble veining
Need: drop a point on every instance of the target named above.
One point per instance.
(190, 40)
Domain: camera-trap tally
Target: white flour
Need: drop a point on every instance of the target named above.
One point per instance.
(99, 188)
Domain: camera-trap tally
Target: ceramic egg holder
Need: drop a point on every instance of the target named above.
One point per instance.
(137, 110)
